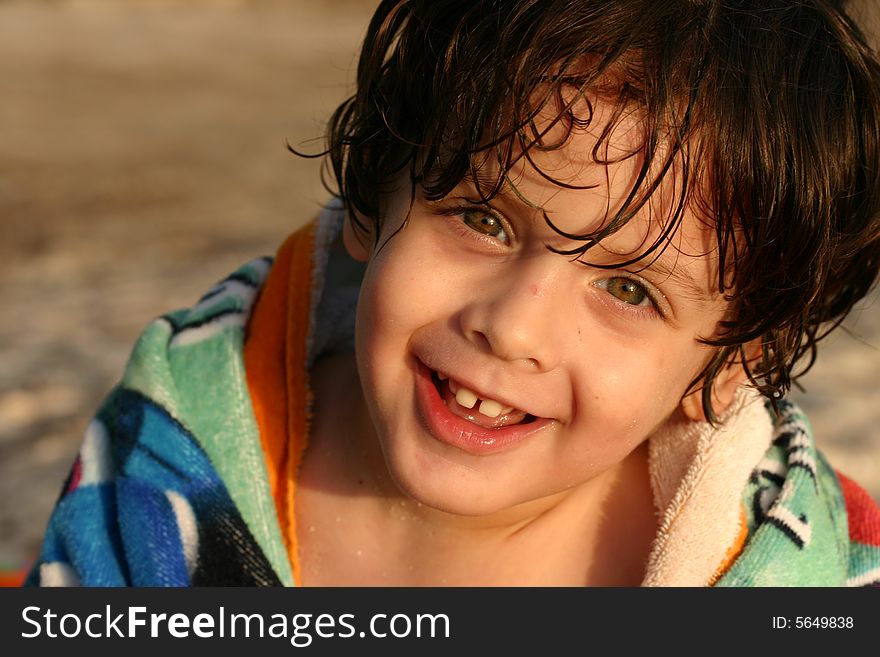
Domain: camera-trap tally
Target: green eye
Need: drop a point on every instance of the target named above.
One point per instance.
(627, 290)
(485, 224)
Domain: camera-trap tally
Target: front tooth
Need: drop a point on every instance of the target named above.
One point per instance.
(490, 408)
(465, 397)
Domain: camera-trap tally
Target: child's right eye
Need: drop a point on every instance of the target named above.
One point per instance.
(485, 223)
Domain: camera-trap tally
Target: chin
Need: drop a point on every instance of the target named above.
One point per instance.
(457, 504)
(446, 484)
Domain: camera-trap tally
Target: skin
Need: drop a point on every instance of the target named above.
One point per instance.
(603, 357)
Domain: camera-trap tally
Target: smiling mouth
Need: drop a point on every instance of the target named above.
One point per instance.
(469, 425)
(468, 405)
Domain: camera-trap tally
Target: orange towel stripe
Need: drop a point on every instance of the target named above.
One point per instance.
(275, 359)
(734, 550)
(299, 302)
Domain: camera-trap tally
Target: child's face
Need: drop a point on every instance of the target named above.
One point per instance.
(591, 361)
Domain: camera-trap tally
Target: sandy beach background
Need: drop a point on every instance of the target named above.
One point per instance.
(143, 156)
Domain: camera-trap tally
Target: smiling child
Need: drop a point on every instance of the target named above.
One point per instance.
(581, 251)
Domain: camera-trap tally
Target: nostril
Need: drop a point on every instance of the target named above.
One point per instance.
(482, 341)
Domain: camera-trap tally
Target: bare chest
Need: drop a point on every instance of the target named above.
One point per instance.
(342, 542)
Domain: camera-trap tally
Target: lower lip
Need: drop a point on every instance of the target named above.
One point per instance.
(447, 427)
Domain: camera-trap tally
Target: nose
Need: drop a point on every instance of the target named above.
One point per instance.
(518, 316)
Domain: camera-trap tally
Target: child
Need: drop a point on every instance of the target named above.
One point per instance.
(589, 245)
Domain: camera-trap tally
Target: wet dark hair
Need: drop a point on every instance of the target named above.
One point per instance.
(768, 112)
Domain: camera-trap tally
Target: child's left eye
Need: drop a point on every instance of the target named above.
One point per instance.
(627, 290)
(486, 224)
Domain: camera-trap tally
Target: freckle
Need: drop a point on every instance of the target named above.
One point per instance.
(360, 482)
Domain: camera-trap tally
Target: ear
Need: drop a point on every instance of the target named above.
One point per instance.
(356, 242)
(724, 387)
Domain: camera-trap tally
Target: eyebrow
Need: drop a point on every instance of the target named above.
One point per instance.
(469, 185)
(680, 276)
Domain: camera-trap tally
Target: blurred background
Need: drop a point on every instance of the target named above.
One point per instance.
(143, 157)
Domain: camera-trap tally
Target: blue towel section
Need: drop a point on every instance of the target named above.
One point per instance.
(144, 506)
(83, 533)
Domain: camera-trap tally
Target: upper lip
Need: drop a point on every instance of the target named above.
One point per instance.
(481, 389)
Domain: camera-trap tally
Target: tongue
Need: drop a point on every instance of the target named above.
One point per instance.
(473, 414)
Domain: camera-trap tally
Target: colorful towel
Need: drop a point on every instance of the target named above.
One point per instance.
(170, 485)
(186, 476)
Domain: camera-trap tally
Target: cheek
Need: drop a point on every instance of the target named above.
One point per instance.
(409, 284)
(397, 298)
(375, 338)
(392, 300)
(630, 391)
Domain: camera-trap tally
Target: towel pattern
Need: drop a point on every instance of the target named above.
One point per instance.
(171, 487)
(146, 502)
(808, 525)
